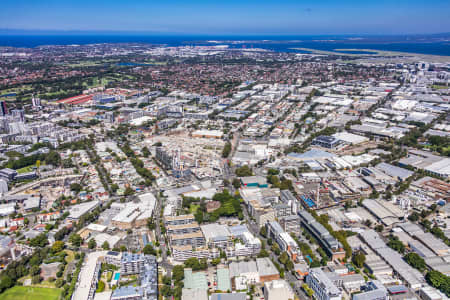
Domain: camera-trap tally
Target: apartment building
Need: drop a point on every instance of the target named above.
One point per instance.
(323, 287)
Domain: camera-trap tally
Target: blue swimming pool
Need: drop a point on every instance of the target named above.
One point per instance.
(116, 276)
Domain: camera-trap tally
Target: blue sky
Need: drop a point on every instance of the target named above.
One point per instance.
(230, 17)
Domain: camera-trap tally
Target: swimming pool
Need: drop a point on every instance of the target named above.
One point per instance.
(116, 276)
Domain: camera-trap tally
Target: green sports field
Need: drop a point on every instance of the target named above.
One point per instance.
(30, 293)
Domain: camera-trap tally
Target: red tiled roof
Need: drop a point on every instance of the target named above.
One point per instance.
(76, 100)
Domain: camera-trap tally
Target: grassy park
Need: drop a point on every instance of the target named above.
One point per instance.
(193, 208)
(30, 293)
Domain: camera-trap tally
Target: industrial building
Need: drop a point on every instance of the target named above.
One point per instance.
(430, 163)
(210, 134)
(254, 181)
(267, 270)
(411, 276)
(223, 279)
(79, 210)
(400, 174)
(231, 296)
(194, 294)
(325, 141)
(278, 290)
(350, 138)
(195, 281)
(246, 272)
(136, 214)
(384, 211)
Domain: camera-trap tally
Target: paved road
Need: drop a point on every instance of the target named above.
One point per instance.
(162, 244)
(92, 153)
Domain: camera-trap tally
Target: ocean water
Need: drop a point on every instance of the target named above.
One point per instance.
(435, 46)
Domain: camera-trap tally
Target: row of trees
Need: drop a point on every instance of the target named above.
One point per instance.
(19, 268)
(21, 161)
(283, 184)
(30, 265)
(422, 218)
(177, 278)
(139, 164)
(396, 244)
(105, 178)
(145, 173)
(440, 281)
(286, 261)
(435, 278)
(244, 171)
(226, 150)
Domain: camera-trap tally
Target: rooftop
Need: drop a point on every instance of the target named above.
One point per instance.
(76, 211)
(266, 267)
(223, 279)
(214, 230)
(195, 280)
(227, 296)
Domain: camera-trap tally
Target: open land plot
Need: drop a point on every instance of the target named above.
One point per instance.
(30, 293)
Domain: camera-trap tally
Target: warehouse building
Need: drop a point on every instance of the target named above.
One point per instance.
(411, 276)
(231, 296)
(195, 281)
(384, 211)
(79, 210)
(433, 164)
(254, 181)
(194, 294)
(266, 270)
(395, 172)
(136, 214)
(209, 134)
(325, 141)
(350, 138)
(244, 271)
(436, 245)
(278, 290)
(223, 279)
(420, 249)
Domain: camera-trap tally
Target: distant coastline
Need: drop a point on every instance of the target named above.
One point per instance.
(433, 45)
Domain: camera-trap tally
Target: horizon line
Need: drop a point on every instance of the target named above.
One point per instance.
(149, 32)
